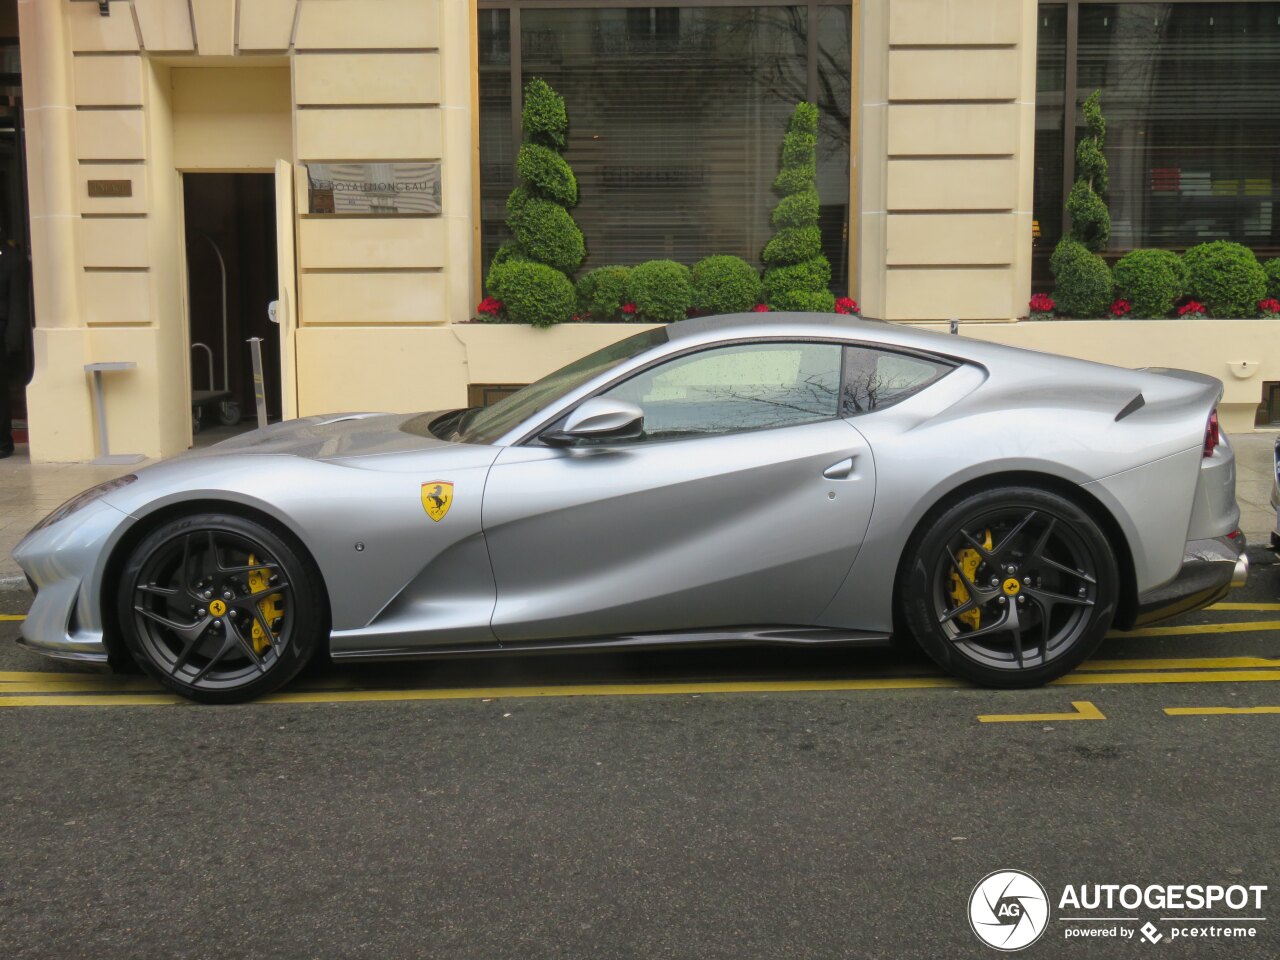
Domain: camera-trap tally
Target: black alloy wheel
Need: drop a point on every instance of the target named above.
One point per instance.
(220, 608)
(1010, 587)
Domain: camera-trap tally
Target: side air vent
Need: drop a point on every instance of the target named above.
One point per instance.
(1137, 403)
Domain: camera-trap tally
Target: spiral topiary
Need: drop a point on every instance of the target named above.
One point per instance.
(544, 233)
(797, 272)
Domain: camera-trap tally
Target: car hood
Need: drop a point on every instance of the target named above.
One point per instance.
(331, 437)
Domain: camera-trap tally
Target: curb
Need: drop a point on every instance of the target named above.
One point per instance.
(14, 584)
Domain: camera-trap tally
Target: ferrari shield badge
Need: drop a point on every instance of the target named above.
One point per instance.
(437, 498)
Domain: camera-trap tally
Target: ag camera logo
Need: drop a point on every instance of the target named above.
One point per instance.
(1008, 910)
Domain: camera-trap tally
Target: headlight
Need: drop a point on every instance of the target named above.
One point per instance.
(83, 500)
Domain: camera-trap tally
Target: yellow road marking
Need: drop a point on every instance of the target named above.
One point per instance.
(1083, 710)
(639, 689)
(9, 617)
(1244, 606)
(75, 684)
(1246, 626)
(1194, 663)
(1214, 711)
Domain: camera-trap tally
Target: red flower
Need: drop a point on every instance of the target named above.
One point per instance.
(1121, 307)
(760, 308)
(846, 305)
(628, 308)
(1269, 307)
(1192, 308)
(1042, 303)
(489, 306)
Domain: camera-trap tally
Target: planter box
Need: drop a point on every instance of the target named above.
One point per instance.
(519, 353)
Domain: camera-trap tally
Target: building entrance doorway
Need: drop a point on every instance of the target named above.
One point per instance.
(231, 281)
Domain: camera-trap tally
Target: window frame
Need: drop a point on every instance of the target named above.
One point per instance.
(531, 436)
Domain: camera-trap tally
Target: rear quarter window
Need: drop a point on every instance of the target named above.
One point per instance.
(876, 379)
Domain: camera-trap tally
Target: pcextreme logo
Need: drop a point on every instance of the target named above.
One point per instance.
(1009, 910)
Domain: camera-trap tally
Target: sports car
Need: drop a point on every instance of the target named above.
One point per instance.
(770, 478)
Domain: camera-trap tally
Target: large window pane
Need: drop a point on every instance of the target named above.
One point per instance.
(1051, 81)
(676, 122)
(1191, 92)
(497, 161)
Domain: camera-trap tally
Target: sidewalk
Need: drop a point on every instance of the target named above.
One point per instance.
(29, 491)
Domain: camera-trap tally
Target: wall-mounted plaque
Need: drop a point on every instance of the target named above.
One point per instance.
(111, 188)
(374, 188)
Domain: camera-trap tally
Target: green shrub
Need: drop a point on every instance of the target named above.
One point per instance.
(807, 301)
(1151, 280)
(545, 232)
(725, 284)
(792, 245)
(603, 291)
(1090, 219)
(543, 116)
(1226, 277)
(1272, 269)
(796, 210)
(796, 271)
(532, 292)
(548, 172)
(661, 290)
(1082, 280)
(812, 274)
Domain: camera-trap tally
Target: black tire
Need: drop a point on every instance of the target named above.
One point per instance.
(221, 609)
(1038, 602)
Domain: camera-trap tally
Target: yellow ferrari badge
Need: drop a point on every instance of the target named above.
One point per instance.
(1012, 586)
(437, 498)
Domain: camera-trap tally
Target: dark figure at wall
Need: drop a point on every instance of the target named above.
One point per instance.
(14, 330)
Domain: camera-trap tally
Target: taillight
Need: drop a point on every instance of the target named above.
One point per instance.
(1211, 435)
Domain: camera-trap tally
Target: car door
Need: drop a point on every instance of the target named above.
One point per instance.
(743, 503)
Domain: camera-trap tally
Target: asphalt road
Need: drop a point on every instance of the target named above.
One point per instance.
(733, 804)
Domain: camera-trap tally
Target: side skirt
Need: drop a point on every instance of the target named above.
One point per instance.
(726, 637)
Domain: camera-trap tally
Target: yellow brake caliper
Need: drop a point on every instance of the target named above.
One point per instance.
(271, 608)
(970, 560)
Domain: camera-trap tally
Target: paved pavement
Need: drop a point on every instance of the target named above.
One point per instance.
(732, 804)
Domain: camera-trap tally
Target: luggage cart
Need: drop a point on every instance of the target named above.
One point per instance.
(228, 409)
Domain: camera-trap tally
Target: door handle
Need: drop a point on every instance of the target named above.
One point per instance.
(839, 471)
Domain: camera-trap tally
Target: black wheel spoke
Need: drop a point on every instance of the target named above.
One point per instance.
(970, 604)
(975, 592)
(158, 591)
(979, 547)
(246, 643)
(1009, 538)
(254, 598)
(1037, 552)
(1000, 626)
(249, 568)
(1069, 571)
(183, 630)
(228, 644)
(1015, 624)
(1047, 599)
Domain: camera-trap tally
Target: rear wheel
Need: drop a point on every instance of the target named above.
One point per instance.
(220, 608)
(1010, 587)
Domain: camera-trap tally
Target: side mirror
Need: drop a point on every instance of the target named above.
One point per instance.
(599, 418)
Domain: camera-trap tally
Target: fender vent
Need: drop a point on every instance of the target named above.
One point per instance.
(1137, 403)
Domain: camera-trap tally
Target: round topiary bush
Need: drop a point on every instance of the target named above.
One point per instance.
(532, 292)
(603, 291)
(661, 290)
(1272, 269)
(1082, 280)
(1226, 277)
(1151, 280)
(724, 284)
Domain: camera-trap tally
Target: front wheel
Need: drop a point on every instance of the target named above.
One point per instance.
(220, 608)
(1010, 587)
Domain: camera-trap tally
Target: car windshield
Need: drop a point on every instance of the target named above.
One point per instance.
(487, 424)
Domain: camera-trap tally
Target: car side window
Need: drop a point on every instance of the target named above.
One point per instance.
(875, 379)
(746, 386)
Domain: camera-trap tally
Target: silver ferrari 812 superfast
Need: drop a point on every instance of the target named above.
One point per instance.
(769, 478)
